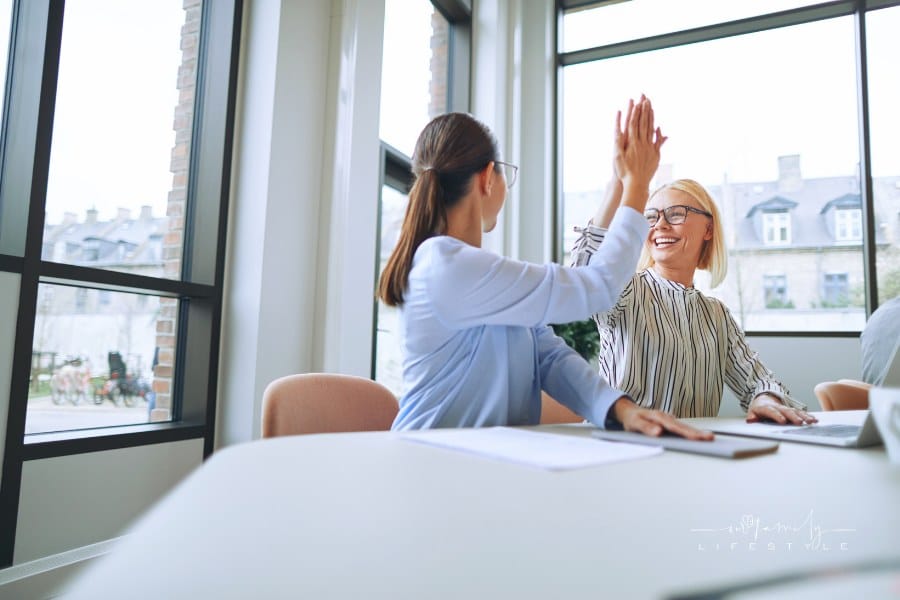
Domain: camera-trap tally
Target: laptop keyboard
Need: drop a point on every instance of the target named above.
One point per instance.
(826, 430)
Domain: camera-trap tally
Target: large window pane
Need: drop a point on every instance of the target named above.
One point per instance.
(623, 21)
(883, 48)
(415, 70)
(768, 123)
(121, 131)
(96, 358)
(388, 356)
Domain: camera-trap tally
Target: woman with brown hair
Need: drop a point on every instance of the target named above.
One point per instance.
(477, 350)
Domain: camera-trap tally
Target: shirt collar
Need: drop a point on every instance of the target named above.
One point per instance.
(666, 283)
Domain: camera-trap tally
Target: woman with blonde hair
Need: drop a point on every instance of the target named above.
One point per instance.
(477, 350)
(665, 343)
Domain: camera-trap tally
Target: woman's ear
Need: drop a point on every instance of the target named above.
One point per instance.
(709, 232)
(486, 179)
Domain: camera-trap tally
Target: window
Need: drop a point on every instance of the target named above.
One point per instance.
(777, 228)
(773, 169)
(622, 21)
(848, 224)
(775, 289)
(414, 74)
(836, 290)
(112, 208)
(883, 46)
(424, 74)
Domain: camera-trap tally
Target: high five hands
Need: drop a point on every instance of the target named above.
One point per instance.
(637, 150)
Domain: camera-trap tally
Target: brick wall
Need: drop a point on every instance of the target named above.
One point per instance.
(166, 325)
(440, 46)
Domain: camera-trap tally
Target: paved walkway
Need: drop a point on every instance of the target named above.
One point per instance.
(44, 416)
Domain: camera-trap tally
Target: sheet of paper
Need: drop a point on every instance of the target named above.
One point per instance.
(532, 448)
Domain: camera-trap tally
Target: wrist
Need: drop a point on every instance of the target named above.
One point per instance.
(622, 408)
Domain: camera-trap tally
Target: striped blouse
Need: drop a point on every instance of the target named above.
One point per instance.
(671, 347)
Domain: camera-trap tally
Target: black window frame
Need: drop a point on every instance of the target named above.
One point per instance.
(796, 16)
(35, 44)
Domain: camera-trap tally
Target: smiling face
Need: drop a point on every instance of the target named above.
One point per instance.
(678, 247)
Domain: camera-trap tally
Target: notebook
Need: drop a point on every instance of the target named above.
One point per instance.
(829, 434)
(723, 446)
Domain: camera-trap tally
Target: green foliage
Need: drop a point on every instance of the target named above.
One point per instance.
(888, 285)
(581, 336)
(779, 303)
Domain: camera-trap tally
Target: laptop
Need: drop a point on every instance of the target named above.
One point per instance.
(829, 434)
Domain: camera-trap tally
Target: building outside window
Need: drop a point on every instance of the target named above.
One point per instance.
(848, 224)
(777, 228)
(775, 289)
(836, 290)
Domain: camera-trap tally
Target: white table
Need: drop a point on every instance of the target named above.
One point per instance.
(371, 516)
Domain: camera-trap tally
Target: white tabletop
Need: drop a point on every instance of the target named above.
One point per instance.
(369, 515)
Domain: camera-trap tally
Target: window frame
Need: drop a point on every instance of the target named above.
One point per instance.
(787, 18)
(35, 45)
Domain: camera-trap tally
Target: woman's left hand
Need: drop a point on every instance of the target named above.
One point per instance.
(767, 407)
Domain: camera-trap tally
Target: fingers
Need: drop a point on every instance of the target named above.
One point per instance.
(660, 139)
(619, 135)
(655, 423)
(633, 124)
(673, 425)
(783, 415)
(646, 124)
(622, 135)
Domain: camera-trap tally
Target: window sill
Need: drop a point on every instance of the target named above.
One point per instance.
(63, 443)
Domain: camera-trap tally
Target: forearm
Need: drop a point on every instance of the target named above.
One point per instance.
(635, 193)
(612, 197)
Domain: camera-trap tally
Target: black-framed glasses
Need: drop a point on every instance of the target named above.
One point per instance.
(674, 215)
(509, 170)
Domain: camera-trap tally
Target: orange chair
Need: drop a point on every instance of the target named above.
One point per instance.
(843, 394)
(552, 412)
(326, 403)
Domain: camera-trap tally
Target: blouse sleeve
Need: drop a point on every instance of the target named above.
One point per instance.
(469, 286)
(744, 372)
(571, 381)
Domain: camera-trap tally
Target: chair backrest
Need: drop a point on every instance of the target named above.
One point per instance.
(554, 412)
(326, 403)
(844, 394)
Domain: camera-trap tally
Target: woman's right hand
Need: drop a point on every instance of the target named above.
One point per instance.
(654, 422)
(637, 152)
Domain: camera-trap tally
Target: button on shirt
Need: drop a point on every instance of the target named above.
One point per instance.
(477, 350)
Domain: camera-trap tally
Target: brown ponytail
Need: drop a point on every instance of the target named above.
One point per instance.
(449, 151)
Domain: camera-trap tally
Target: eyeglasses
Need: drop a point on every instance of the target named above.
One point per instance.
(509, 171)
(674, 215)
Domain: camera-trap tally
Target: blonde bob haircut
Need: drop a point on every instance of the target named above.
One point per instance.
(714, 255)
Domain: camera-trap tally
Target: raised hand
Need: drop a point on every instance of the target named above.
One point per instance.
(637, 151)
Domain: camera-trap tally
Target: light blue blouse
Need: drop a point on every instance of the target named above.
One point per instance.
(477, 348)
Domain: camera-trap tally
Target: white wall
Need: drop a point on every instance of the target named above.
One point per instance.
(301, 263)
(72, 501)
(801, 363)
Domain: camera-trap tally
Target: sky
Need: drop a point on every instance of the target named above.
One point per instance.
(405, 72)
(116, 98)
(731, 107)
